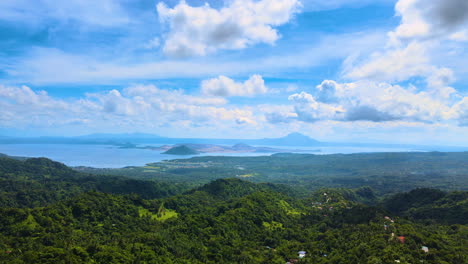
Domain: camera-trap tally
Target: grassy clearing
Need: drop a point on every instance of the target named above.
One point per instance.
(288, 208)
(162, 215)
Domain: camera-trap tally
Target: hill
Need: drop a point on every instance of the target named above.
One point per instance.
(293, 139)
(40, 181)
(181, 150)
(50, 213)
(430, 204)
(255, 225)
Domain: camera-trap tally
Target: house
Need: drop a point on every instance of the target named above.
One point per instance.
(425, 249)
(401, 239)
(301, 254)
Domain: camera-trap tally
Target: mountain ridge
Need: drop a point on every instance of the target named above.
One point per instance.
(292, 139)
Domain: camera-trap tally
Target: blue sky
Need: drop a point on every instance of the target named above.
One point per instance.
(354, 70)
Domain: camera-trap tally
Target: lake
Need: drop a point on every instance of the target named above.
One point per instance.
(107, 156)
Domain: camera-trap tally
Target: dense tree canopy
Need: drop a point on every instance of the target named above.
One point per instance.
(225, 221)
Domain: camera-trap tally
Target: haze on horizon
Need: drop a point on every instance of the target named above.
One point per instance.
(343, 70)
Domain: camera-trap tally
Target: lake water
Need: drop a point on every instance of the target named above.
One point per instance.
(105, 156)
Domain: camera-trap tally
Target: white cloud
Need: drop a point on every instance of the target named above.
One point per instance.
(151, 91)
(224, 86)
(427, 19)
(53, 66)
(373, 101)
(369, 101)
(412, 47)
(136, 106)
(460, 111)
(203, 30)
(459, 36)
(401, 64)
(292, 88)
(278, 113)
(309, 110)
(394, 64)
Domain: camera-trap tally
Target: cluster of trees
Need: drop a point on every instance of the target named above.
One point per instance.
(225, 221)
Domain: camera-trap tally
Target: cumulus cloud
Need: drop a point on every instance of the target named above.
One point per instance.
(241, 23)
(409, 54)
(275, 114)
(427, 19)
(245, 120)
(224, 86)
(309, 110)
(139, 105)
(368, 113)
(370, 101)
(402, 64)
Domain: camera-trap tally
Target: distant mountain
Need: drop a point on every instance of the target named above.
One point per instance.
(243, 147)
(211, 148)
(181, 150)
(131, 140)
(293, 139)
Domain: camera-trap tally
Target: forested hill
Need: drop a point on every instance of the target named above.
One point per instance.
(430, 205)
(259, 226)
(40, 181)
(102, 219)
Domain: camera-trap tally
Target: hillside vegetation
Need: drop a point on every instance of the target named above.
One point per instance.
(40, 181)
(224, 221)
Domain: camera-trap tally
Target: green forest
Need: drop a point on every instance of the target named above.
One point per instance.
(385, 173)
(362, 208)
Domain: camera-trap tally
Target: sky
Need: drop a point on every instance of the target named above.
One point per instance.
(390, 71)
